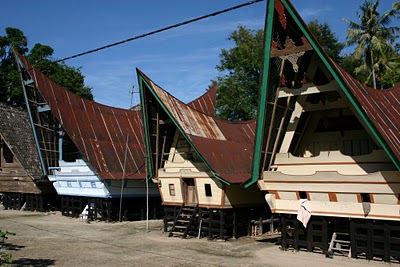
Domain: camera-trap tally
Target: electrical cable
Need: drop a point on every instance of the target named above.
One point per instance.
(160, 30)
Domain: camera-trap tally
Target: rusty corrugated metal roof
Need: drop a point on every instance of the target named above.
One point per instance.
(226, 147)
(381, 106)
(193, 122)
(102, 134)
(206, 102)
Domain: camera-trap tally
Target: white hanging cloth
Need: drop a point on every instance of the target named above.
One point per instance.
(304, 212)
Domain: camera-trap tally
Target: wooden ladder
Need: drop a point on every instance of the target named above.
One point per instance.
(183, 221)
(340, 243)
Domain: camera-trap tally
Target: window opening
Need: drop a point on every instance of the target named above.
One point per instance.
(365, 197)
(171, 189)
(7, 154)
(207, 188)
(303, 195)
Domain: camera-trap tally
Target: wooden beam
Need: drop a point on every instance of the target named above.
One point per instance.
(290, 48)
(309, 88)
(291, 128)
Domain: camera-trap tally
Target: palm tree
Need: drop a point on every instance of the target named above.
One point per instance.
(373, 37)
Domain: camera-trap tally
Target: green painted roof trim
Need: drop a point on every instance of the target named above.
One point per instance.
(342, 84)
(263, 96)
(179, 128)
(328, 64)
(146, 128)
(20, 68)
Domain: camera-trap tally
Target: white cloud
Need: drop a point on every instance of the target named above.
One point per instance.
(311, 13)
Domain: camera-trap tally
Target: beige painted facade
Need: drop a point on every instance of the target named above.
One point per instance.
(185, 179)
(334, 163)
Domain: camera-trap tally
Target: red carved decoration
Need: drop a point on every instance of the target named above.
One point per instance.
(304, 40)
(274, 45)
(281, 12)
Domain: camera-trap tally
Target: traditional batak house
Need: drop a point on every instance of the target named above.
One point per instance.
(22, 184)
(199, 163)
(327, 149)
(93, 154)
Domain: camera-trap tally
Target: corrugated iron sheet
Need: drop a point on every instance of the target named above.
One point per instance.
(381, 106)
(231, 158)
(190, 120)
(226, 146)
(206, 102)
(111, 139)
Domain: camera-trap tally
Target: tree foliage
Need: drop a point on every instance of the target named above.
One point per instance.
(375, 44)
(240, 67)
(5, 258)
(327, 38)
(40, 56)
(237, 95)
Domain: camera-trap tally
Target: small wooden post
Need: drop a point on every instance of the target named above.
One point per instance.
(80, 207)
(234, 230)
(353, 241)
(284, 232)
(165, 219)
(271, 224)
(221, 224)
(370, 233)
(210, 223)
(309, 232)
(296, 234)
(386, 242)
(324, 235)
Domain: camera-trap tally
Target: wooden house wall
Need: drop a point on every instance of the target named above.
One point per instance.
(13, 176)
(175, 195)
(183, 164)
(217, 197)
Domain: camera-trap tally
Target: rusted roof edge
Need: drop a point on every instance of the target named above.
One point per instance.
(145, 79)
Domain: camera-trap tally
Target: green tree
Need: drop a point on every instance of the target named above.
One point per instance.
(328, 40)
(237, 94)
(10, 85)
(374, 40)
(69, 77)
(40, 56)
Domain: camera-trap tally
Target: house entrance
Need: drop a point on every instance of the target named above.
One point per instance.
(190, 193)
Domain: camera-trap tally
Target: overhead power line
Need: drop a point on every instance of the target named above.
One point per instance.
(161, 30)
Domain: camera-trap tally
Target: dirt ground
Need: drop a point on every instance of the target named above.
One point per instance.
(49, 239)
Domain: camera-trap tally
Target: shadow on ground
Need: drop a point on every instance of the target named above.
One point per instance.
(12, 247)
(34, 262)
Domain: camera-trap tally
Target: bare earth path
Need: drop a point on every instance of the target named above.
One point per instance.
(53, 240)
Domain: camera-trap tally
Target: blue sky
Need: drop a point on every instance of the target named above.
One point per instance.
(181, 60)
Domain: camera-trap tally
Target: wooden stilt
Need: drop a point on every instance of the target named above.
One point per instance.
(353, 241)
(234, 230)
(210, 220)
(296, 235)
(284, 233)
(386, 244)
(324, 235)
(310, 237)
(221, 224)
